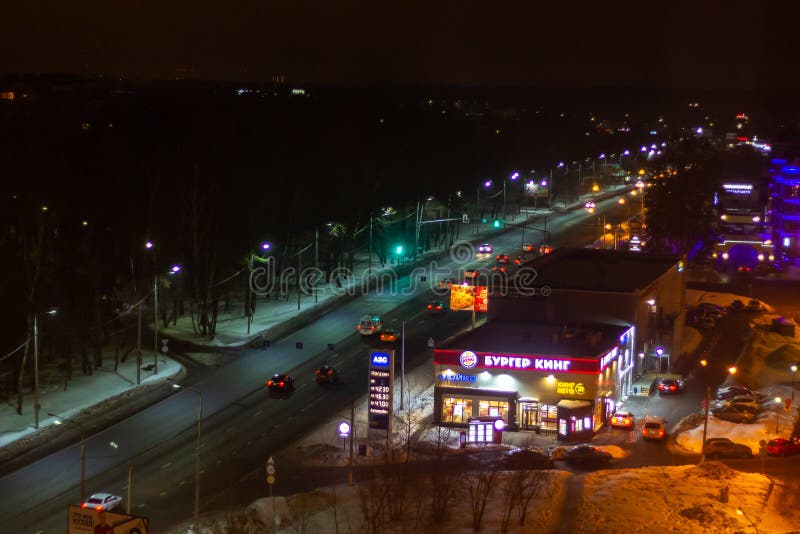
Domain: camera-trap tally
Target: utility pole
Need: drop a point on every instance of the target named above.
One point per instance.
(139, 349)
(35, 371)
(299, 258)
(402, 363)
(705, 425)
(352, 438)
(477, 208)
(155, 320)
(316, 256)
(369, 265)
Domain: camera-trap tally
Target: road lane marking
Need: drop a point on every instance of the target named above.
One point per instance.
(166, 465)
(257, 413)
(162, 493)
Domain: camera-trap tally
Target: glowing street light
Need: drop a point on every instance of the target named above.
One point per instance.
(732, 369)
(487, 184)
(514, 176)
(265, 246)
(175, 269)
(148, 245)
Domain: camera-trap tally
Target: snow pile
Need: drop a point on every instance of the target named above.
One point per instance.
(671, 499)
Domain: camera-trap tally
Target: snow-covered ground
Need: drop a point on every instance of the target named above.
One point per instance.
(676, 499)
(82, 393)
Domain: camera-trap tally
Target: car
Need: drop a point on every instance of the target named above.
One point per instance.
(470, 274)
(446, 283)
(369, 324)
(654, 427)
(390, 336)
(485, 248)
(526, 459)
(754, 305)
(709, 310)
(499, 269)
(280, 384)
(670, 385)
(706, 323)
(737, 305)
(622, 419)
(735, 414)
(725, 448)
(544, 249)
(519, 260)
(102, 501)
(502, 258)
(527, 247)
(783, 446)
(740, 400)
(435, 307)
(728, 392)
(586, 454)
(327, 374)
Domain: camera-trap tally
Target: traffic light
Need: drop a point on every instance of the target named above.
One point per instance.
(497, 223)
(483, 220)
(398, 250)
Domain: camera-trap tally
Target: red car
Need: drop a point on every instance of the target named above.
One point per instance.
(782, 446)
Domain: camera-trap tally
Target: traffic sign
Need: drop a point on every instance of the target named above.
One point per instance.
(270, 469)
(270, 480)
(164, 347)
(431, 343)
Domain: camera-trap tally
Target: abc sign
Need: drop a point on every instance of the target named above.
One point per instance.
(380, 359)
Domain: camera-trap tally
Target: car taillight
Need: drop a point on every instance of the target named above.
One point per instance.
(672, 388)
(660, 433)
(330, 371)
(430, 307)
(269, 383)
(438, 307)
(84, 505)
(280, 384)
(372, 328)
(100, 507)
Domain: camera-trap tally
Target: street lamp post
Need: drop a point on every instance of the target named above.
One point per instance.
(197, 453)
(793, 369)
(149, 246)
(741, 513)
(60, 420)
(778, 401)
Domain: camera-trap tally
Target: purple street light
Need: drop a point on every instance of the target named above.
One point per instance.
(643, 149)
(265, 246)
(487, 184)
(543, 183)
(175, 269)
(626, 153)
(148, 245)
(514, 176)
(602, 156)
(560, 164)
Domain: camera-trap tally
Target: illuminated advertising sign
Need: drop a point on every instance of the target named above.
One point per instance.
(520, 362)
(570, 389)
(606, 360)
(457, 377)
(469, 298)
(381, 382)
(738, 189)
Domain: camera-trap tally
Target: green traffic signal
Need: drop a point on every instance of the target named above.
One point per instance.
(483, 220)
(398, 250)
(497, 223)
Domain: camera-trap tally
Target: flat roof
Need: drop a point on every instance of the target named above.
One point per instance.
(584, 340)
(598, 270)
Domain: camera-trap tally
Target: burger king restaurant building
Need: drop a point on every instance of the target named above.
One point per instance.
(566, 379)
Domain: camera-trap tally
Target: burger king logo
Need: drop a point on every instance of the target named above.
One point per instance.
(468, 359)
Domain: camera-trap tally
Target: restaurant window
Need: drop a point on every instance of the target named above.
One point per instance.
(456, 410)
(493, 408)
(549, 415)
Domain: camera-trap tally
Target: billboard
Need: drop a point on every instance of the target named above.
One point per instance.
(381, 394)
(89, 521)
(469, 298)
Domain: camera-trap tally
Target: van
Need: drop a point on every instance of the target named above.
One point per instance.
(654, 427)
(369, 324)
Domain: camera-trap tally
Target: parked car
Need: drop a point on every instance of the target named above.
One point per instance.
(390, 336)
(327, 374)
(737, 305)
(102, 501)
(783, 446)
(436, 307)
(735, 414)
(740, 400)
(654, 427)
(754, 305)
(706, 323)
(527, 459)
(729, 392)
(622, 419)
(670, 385)
(725, 448)
(586, 455)
(280, 385)
(369, 324)
(485, 248)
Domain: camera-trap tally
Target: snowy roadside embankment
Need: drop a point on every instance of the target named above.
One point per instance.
(671, 499)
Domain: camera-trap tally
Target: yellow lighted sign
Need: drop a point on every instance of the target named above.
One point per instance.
(571, 389)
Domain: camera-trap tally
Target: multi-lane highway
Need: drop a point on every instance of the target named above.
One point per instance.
(241, 425)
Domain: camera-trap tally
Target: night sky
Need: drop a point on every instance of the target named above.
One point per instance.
(641, 44)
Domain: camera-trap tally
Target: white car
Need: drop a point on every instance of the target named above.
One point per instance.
(102, 501)
(485, 248)
(654, 427)
(369, 324)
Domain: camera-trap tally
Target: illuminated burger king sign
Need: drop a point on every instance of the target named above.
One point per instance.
(468, 359)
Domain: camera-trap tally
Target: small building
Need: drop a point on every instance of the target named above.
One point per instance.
(534, 376)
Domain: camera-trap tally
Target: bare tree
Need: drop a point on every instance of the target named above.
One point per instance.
(479, 486)
(442, 481)
(510, 495)
(372, 496)
(410, 419)
(527, 483)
